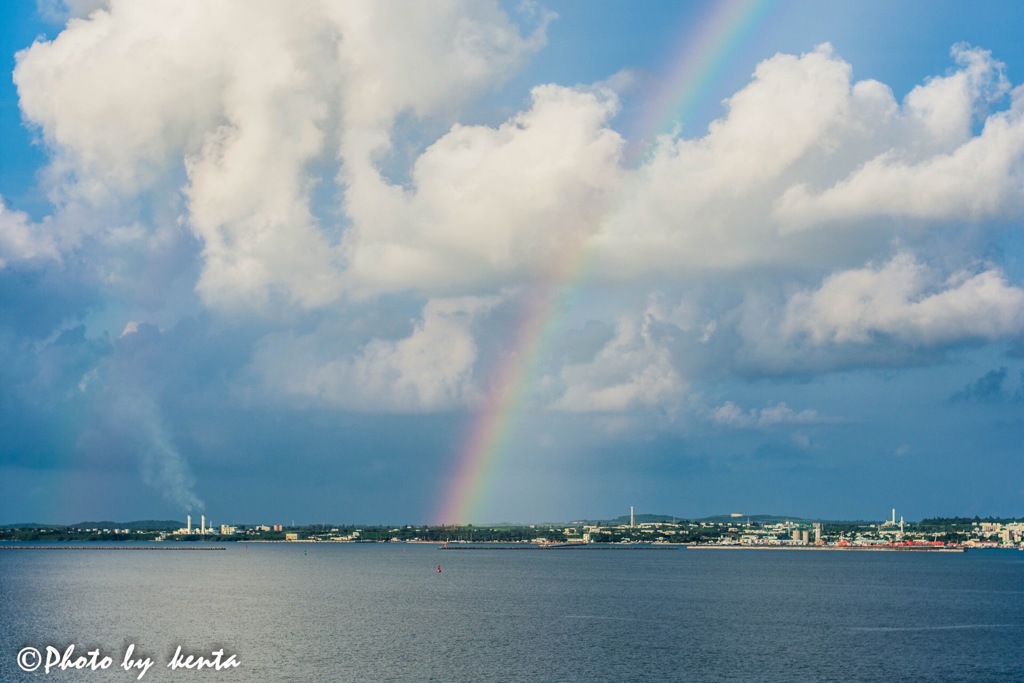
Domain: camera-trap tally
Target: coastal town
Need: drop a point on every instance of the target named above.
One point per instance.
(735, 530)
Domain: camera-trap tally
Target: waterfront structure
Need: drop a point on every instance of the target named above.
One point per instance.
(929, 534)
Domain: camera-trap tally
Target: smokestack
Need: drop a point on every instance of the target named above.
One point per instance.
(894, 516)
(630, 516)
(188, 524)
(202, 523)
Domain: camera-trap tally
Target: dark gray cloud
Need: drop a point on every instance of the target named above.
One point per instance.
(986, 389)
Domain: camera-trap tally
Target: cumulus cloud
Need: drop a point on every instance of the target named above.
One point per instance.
(60, 11)
(431, 369)
(489, 204)
(304, 99)
(264, 135)
(243, 104)
(633, 370)
(731, 415)
(933, 167)
(906, 300)
(701, 202)
(804, 146)
(20, 240)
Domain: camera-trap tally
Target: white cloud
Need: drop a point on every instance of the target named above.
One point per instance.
(804, 146)
(731, 415)
(489, 204)
(906, 300)
(942, 111)
(60, 11)
(248, 125)
(632, 371)
(933, 166)
(979, 179)
(425, 57)
(131, 327)
(20, 240)
(431, 369)
(247, 99)
(244, 114)
(701, 203)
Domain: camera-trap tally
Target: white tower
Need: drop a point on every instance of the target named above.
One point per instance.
(202, 524)
(188, 525)
(630, 516)
(894, 516)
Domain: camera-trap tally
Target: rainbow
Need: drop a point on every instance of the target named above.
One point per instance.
(703, 55)
(505, 400)
(706, 48)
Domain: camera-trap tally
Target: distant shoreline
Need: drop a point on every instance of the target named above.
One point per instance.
(860, 548)
(108, 547)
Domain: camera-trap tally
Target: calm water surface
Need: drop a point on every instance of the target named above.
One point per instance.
(382, 612)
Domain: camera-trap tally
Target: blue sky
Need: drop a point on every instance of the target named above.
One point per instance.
(274, 265)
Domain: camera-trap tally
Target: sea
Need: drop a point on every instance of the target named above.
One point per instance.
(384, 612)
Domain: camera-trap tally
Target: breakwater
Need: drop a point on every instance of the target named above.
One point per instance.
(557, 546)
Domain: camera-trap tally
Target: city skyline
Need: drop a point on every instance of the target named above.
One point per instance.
(206, 525)
(480, 262)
